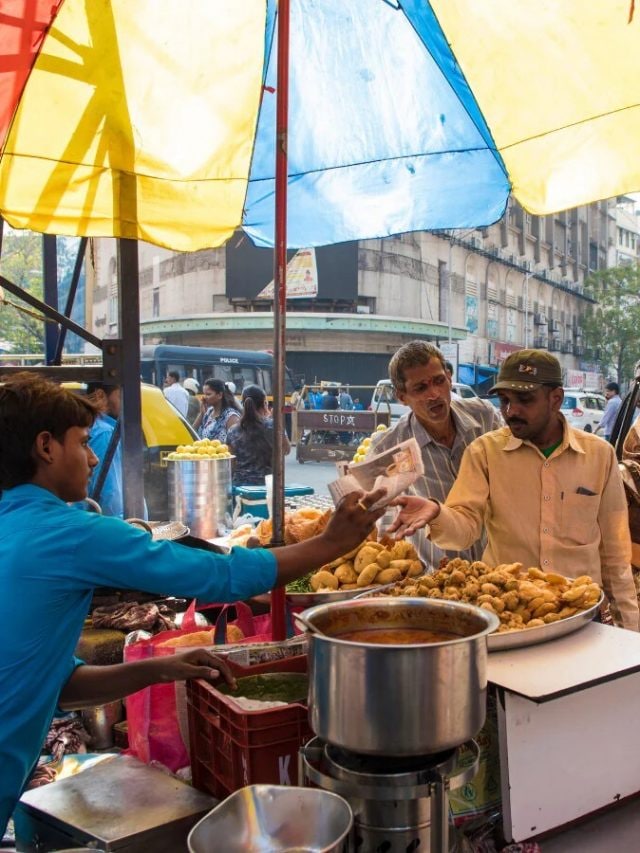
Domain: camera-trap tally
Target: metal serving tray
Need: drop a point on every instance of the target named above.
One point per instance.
(310, 599)
(533, 636)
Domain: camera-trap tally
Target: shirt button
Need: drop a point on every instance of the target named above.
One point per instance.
(546, 464)
(547, 498)
(545, 529)
(545, 562)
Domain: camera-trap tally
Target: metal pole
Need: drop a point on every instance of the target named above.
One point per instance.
(129, 327)
(449, 285)
(526, 310)
(73, 287)
(50, 268)
(439, 817)
(280, 305)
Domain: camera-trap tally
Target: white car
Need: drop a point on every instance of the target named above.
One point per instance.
(583, 409)
(384, 398)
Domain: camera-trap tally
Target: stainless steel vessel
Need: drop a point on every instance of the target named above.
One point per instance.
(398, 804)
(397, 700)
(275, 818)
(200, 495)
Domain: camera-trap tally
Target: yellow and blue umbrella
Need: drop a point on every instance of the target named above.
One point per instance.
(155, 120)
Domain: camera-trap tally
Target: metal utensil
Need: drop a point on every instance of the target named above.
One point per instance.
(533, 636)
(275, 819)
(434, 693)
(307, 626)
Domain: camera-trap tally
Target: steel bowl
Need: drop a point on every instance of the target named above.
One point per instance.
(276, 818)
(397, 699)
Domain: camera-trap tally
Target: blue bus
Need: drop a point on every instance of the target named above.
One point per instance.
(242, 367)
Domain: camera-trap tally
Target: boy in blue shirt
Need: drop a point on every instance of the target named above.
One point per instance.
(52, 556)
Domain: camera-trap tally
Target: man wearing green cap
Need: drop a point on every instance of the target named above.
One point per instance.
(547, 495)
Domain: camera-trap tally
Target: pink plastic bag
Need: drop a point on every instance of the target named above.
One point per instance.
(256, 629)
(152, 715)
(152, 719)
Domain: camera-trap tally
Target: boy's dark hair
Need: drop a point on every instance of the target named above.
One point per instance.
(612, 386)
(30, 405)
(174, 375)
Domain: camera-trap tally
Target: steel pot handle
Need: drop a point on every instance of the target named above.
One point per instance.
(304, 623)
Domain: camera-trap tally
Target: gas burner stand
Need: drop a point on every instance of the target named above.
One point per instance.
(400, 805)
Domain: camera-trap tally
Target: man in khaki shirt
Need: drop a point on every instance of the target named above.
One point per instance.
(546, 494)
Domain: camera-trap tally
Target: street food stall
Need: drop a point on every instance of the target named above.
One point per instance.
(182, 164)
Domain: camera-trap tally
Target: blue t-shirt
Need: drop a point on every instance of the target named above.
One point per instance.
(110, 499)
(51, 558)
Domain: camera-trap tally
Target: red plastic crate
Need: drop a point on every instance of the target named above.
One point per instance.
(231, 748)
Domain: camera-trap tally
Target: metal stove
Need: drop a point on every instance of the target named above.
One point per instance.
(400, 805)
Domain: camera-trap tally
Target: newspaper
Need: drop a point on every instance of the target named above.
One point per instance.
(393, 470)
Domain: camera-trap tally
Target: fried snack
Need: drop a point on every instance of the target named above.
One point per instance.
(345, 573)
(521, 598)
(368, 575)
(323, 580)
(364, 557)
(302, 524)
(195, 638)
(388, 576)
(383, 559)
(399, 559)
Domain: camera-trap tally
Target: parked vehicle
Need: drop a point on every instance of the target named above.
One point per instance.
(384, 398)
(242, 367)
(583, 409)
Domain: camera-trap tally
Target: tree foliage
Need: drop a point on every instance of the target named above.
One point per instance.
(21, 263)
(612, 326)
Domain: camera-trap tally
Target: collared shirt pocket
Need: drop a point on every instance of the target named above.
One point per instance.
(580, 517)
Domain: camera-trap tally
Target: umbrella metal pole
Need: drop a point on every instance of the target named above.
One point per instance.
(280, 306)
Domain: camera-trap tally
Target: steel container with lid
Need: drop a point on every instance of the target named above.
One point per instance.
(397, 700)
(200, 495)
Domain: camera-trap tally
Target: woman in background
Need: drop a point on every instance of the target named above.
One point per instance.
(251, 440)
(219, 411)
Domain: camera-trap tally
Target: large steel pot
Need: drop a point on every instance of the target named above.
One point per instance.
(397, 699)
(200, 495)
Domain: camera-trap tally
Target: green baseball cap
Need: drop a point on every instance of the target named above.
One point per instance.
(528, 369)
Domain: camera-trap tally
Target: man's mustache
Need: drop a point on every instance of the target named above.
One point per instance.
(515, 421)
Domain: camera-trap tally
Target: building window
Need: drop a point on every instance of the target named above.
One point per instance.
(155, 307)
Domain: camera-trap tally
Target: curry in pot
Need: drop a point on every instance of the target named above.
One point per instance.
(397, 636)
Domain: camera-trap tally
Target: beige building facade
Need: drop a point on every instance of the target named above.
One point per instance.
(519, 282)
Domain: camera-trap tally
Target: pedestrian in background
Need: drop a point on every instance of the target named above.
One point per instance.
(175, 393)
(251, 440)
(345, 400)
(219, 411)
(330, 399)
(192, 387)
(104, 438)
(614, 401)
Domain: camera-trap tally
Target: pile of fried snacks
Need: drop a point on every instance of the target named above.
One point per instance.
(521, 598)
